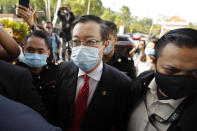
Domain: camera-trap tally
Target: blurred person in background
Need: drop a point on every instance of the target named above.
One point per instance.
(136, 52)
(53, 40)
(36, 54)
(146, 59)
(166, 99)
(67, 17)
(115, 59)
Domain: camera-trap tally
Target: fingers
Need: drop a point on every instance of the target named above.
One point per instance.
(23, 7)
(22, 13)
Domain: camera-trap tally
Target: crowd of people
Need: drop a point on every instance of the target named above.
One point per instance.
(96, 88)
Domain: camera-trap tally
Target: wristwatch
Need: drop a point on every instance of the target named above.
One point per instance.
(33, 27)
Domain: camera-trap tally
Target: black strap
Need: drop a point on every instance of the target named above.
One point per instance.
(172, 118)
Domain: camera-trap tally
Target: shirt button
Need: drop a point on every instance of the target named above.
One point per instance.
(53, 86)
(40, 87)
(38, 77)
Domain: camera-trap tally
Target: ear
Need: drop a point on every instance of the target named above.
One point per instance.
(116, 40)
(48, 52)
(106, 46)
(154, 63)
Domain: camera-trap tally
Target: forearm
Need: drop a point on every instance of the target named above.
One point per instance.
(10, 46)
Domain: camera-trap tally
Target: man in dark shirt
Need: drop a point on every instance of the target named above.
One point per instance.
(67, 17)
(115, 59)
(36, 52)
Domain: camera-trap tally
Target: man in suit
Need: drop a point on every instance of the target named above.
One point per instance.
(16, 84)
(18, 117)
(92, 96)
(166, 98)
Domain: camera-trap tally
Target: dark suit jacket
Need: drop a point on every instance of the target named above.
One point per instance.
(16, 84)
(186, 122)
(18, 117)
(110, 106)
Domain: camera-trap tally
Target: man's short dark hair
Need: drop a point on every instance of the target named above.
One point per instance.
(183, 37)
(40, 34)
(112, 27)
(86, 18)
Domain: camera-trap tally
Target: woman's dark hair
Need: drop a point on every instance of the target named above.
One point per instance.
(183, 37)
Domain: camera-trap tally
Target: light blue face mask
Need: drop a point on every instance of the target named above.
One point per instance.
(109, 48)
(85, 57)
(35, 60)
(149, 52)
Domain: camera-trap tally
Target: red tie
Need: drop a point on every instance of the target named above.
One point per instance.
(80, 105)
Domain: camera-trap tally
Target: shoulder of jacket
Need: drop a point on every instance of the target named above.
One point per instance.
(140, 84)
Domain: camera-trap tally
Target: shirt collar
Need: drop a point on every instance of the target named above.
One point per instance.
(95, 74)
(153, 91)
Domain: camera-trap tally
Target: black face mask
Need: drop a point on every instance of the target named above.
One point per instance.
(176, 86)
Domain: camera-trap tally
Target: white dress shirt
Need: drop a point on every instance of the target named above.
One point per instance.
(94, 78)
(164, 108)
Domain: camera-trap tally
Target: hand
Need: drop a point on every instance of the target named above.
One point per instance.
(62, 8)
(26, 14)
(57, 51)
(35, 15)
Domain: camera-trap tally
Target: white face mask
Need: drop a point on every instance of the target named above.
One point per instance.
(149, 52)
(49, 31)
(85, 57)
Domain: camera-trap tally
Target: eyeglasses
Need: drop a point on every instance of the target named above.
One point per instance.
(91, 42)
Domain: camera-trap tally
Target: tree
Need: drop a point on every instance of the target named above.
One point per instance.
(8, 6)
(124, 18)
(146, 21)
(109, 15)
(79, 7)
(193, 26)
(156, 29)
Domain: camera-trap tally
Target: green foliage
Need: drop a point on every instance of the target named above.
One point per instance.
(9, 6)
(144, 25)
(156, 29)
(146, 21)
(79, 7)
(192, 25)
(109, 15)
(20, 29)
(124, 18)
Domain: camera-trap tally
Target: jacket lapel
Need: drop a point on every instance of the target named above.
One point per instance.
(102, 89)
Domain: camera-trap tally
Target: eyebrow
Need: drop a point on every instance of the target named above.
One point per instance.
(177, 69)
(89, 36)
(35, 48)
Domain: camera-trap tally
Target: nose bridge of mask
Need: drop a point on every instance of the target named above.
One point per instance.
(82, 50)
(149, 51)
(35, 55)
